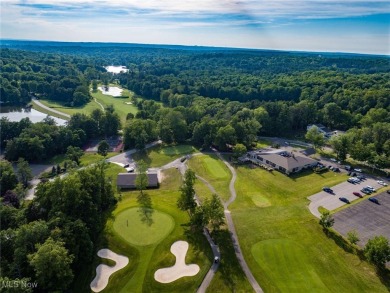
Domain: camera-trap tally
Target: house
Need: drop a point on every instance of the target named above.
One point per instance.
(281, 160)
(324, 130)
(127, 180)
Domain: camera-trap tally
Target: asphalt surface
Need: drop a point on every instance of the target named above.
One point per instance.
(367, 218)
(331, 201)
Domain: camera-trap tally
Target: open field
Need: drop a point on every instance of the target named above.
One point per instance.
(283, 243)
(160, 155)
(85, 160)
(145, 259)
(214, 171)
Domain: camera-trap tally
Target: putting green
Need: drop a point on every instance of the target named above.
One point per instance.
(286, 265)
(138, 229)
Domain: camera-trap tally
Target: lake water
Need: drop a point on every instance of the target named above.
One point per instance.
(17, 114)
(116, 69)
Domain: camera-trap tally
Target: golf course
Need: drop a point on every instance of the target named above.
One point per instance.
(283, 244)
(146, 234)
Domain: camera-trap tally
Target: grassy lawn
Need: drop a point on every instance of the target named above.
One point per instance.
(85, 160)
(160, 155)
(283, 243)
(40, 109)
(85, 109)
(214, 171)
(148, 253)
(119, 103)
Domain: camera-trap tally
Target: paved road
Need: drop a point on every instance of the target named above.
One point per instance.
(50, 109)
(255, 285)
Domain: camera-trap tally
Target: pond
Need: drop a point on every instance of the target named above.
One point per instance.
(16, 114)
(116, 69)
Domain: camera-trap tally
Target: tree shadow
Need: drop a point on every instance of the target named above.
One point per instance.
(145, 209)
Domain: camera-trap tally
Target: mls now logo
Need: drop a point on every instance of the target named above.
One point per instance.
(18, 284)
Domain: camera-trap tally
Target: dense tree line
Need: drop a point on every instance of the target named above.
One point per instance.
(40, 141)
(52, 238)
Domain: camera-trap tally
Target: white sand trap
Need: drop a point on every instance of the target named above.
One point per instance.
(112, 91)
(103, 272)
(116, 69)
(180, 269)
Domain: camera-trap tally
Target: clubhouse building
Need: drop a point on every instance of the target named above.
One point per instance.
(281, 160)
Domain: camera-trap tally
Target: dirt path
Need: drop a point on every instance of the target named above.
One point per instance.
(232, 229)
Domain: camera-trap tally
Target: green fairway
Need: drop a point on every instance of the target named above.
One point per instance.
(130, 225)
(160, 155)
(288, 266)
(85, 109)
(214, 171)
(283, 243)
(121, 105)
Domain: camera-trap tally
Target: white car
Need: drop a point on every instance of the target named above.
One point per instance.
(381, 182)
(333, 160)
(358, 170)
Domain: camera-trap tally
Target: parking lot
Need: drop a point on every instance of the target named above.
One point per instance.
(367, 218)
(331, 201)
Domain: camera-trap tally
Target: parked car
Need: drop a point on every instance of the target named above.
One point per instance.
(357, 194)
(333, 160)
(216, 259)
(348, 168)
(381, 182)
(129, 169)
(361, 177)
(388, 191)
(183, 159)
(366, 191)
(327, 189)
(335, 169)
(343, 199)
(126, 166)
(358, 170)
(370, 188)
(374, 200)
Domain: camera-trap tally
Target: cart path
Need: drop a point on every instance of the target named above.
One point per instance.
(256, 287)
(49, 109)
(101, 106)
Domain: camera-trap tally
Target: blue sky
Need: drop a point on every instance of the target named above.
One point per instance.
(310, 25)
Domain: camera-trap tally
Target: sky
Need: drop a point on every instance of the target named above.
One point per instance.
(305, 25)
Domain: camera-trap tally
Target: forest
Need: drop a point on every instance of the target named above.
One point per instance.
(206, 95)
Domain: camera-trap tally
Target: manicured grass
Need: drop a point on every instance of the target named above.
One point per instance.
(133, 229)
(160, 155)
(119, 103)
(91, 158)
(283, 243)
(284, 257)
(214, 171)
(85, 109)
(40, 109)
(144, 261)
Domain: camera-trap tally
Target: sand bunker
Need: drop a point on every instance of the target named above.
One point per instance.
(112, 91)
(103, 272)
(180, 269)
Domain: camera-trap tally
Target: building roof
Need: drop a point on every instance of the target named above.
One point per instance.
(309, 151)
(288, 162)
(128, 179)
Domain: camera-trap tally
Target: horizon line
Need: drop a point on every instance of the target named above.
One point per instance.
(200, 46)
